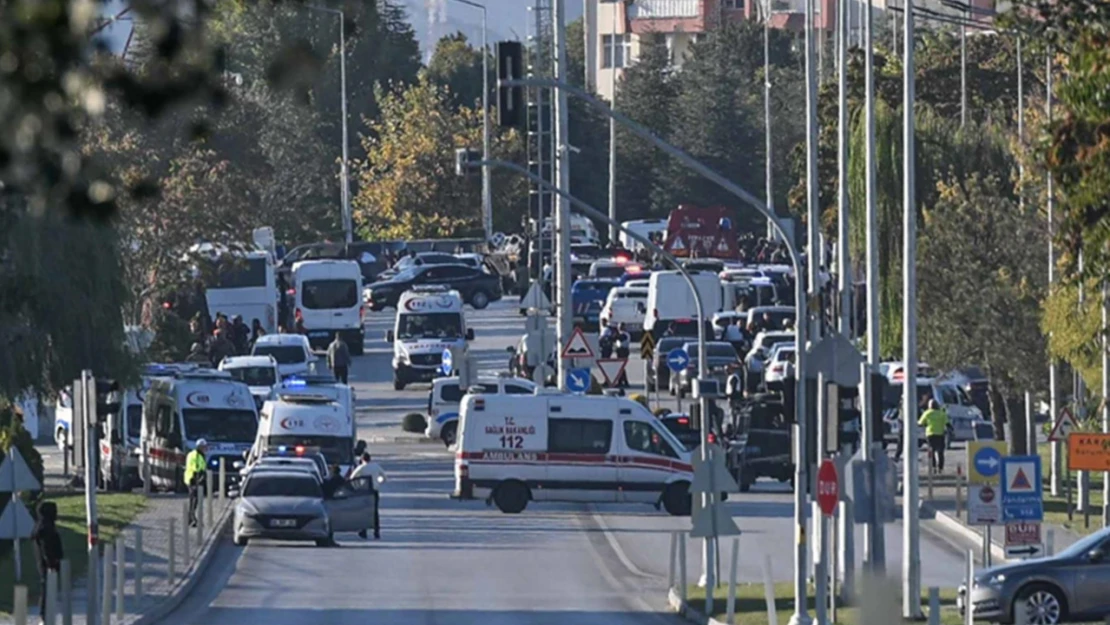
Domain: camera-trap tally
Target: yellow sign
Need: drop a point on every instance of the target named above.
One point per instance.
(1088, 451)
(647, 346)
(984, 462)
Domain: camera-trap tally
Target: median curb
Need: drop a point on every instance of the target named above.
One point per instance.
(411, 438)
(684, 610)
(955, 528)
(184, 586)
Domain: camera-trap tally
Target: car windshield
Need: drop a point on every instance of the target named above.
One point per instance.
(254, 376)
(326, 294)
(893, 398)
(134, 419)
(336, 449)
(608, 271)
(432, 326)
(1082, 546)
(282, 486)
(220, 425)
(283, 354)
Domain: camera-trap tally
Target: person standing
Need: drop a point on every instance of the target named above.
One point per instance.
(935, 420)
(370, 469)
(339, 359)
(196, 467)
(48, 547)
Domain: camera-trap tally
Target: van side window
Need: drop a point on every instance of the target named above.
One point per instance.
(579, 436)
(516, 389)
(640, 436)
(451, 393)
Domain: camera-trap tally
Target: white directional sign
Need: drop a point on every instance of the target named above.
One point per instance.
(1024, 551)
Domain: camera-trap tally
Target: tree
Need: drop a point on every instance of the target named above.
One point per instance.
(408, 187)
(456, 65)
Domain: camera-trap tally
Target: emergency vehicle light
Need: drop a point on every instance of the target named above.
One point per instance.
(299, 449)
(295, 382)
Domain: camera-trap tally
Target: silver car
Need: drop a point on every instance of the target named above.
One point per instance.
(286, 505)
(1072, 586)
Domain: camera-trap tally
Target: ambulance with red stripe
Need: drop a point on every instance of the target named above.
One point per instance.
(190, 405)
(556, 447)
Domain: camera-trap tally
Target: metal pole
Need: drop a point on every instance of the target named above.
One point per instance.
(348, 225)
(963, 73)
(769, 192)
(1021, 136)
(1105, 403)
(185, 552)
(820, 521)
(813, 214)
(91, 457)
(731, 607)
(844, 265)
(171, 563)
(487, 190)
(51, 590)
(911, 548)
(66, 592)
(561, 254)
(19, 605)
(121, 570)
(1030, 426)
(1083, 502)
(139, 565)
(223, 479)
(1054, 408)
(613, 130)
(106, 585)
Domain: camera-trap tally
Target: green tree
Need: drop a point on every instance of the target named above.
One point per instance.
(408, 187)
(456, 65)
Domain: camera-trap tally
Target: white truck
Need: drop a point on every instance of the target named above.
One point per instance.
(671, 299)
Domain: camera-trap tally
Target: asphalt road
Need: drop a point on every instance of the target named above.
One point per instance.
(443, 561)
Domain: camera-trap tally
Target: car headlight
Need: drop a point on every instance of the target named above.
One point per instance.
(997, 579)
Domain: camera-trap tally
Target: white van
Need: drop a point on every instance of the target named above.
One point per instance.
(327, 297)
(670, 299)
(325, 385)
(260, 373)
(429, 320)
(625, 305)
(446, 395)
(516, 449)
(310, 421)
(191, 405)
(292, 352)
(119, 439)
(643, 227)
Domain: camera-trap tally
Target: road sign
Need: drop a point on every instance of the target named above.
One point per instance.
(647, 346)
(15, 475)
(577, 346)
(1065, 424)
(611, 369)
(1088, 451)
(578, 380)
(703, 522)
(1023, 533)
(535, 298)
(713, 468)
(828, 487)
(1022, 498)
(984, 506)
(445, 364)
(1025, 551)
(15, 522)
(984, 461)
(677, 359)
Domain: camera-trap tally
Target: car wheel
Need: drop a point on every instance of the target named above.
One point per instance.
(326, 542)
(511, 497)
(479, 300)
(240, 541)
(449, 433)
(677, 500)
(1043, 605)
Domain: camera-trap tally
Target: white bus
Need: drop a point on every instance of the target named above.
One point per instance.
(244, 284)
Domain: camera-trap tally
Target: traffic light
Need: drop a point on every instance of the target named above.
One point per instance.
(463, 158)
(510, 100)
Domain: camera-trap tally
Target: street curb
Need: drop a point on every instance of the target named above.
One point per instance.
(414, 438)
(184, 586)
(973, 538)
(686, 612)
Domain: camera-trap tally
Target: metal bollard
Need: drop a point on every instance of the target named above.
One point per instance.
(929, 479)
(138, 568)
(934, 605)
(673, 555)
(959, 491)
(106, 585)
(202, 507)
(731, 604)
(66, 593)
(1050, 543)
(121, 570)
(969, 618)
(209, 500)
(93, 585)
(19, 605)
(185, 540)
(51, 590)
(769, 591)
(171, 563)
(145, 468)
(223, 479)
(682, 568)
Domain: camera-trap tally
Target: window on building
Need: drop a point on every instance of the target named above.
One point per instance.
(618, 48)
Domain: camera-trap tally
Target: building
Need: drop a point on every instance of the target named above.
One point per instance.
(614, 29)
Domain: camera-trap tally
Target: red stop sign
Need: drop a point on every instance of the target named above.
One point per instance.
(828, 487)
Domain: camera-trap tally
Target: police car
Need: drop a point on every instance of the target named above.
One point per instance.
(446, 393)
(429, 320)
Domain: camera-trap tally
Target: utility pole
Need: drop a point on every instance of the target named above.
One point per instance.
(963, 70)
(1083, 499)
(769, 166)
(487, 193)
(92, 458)
(911, 547)
(844, 265)
(874, 540)
(613, 130)
(1050, 195)
(345, 187)
(562, 180)
(814, 253)
(1105, 403)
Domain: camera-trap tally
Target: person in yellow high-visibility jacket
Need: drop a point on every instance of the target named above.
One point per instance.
(935, 420)
(196, 465)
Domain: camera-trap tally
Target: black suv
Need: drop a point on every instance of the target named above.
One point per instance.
(476, 287)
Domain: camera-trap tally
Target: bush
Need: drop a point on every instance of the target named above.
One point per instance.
(414, 422)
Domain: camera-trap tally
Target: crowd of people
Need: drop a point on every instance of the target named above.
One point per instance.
(215, 340)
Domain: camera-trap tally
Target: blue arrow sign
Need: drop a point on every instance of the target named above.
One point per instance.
(677, 359)
(988, 461)
(578, 380)
(445, 364)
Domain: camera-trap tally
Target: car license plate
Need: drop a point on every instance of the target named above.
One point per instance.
(318, 333)
(283, 522)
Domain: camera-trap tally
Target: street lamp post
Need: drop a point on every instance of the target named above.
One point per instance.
(345, 187)
(487, 194)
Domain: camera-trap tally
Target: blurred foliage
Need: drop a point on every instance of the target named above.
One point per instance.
(1073, 330)
(457, 66)
(14, 434)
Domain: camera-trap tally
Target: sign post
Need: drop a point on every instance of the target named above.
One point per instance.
(647, 353)
(828, 487)
(677, 360)
(984, 504)
(1023, 539)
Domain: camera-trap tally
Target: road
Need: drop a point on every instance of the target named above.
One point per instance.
(442, 561)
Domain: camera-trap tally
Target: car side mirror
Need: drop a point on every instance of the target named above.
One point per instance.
(1096, 555)
(360, 447)
(389, 336)
(470, 334)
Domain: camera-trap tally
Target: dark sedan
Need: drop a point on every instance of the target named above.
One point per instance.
(477, 287)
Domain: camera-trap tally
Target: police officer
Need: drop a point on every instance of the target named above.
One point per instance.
(935, 420)
(196, 467)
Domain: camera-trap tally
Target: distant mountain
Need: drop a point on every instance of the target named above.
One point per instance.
(507, 19)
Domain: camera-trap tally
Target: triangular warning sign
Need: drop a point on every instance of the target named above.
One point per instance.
(611, 368)
(15, 522)
(577, 346)
(1065, 424)
(678, 245)
(536, 298)
(15, 475)
(1021, 482)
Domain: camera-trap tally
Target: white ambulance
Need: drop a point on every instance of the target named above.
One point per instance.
(322, 384)
(516, 449)
(429, 320)
(328, 299)
(191, 405)
(447, 393)
(306, 420)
